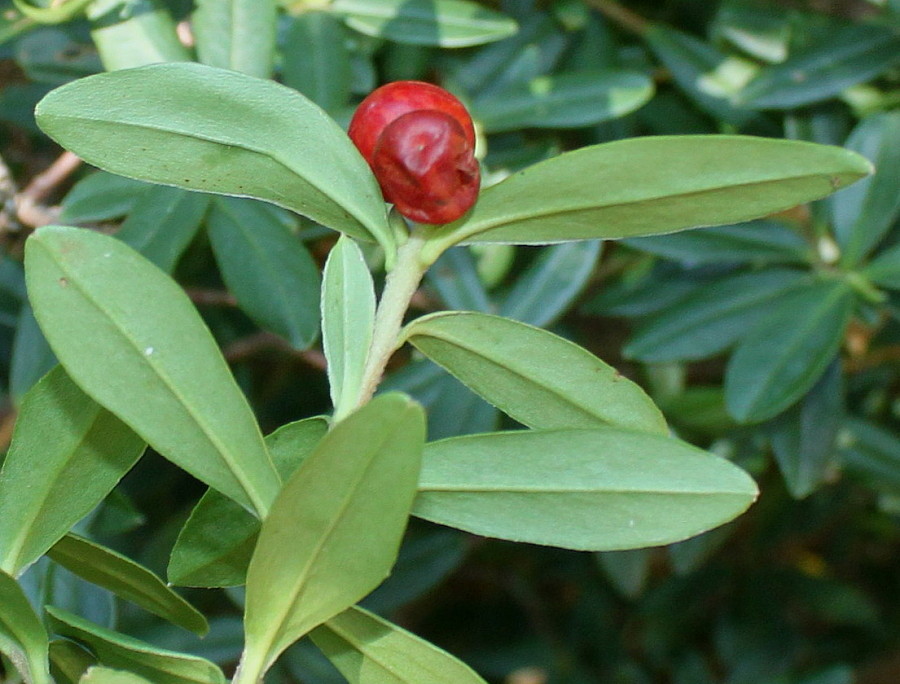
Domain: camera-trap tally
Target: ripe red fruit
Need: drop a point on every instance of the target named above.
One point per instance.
(420, 142)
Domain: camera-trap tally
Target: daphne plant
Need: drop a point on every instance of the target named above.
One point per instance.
(310, 518)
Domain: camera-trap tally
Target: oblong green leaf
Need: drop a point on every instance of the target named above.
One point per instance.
(132, 33)
(335, 529)
(600, 489)
(118, 651)
(84, 285)
(269, 270)
(444, 23)
(216, 543)
(105, 675)
(316, 61)
(101, 196)
(23, 638)
(564, 100)
(126, 579)
(645, 186)
(61, 437)
(348, 320)
(197, 137)
(534, 376)
(368, 649)
(848, 55)
(236, 34)
(781, 359)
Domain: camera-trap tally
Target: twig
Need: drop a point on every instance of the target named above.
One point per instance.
(621, 15)
(208, 297)
(29, 207)
(251, 345)
(8, 192)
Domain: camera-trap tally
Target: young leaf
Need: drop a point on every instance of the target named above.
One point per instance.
(547, 288)
(23, 638)
(122, 652)
(163, 222)
(197, 137)
(216, 543)
(105, 675)
(368, 649)
(848, 55)
(444, 23)
(348, 318)
(128, 580)
(599, 489)
(269, 270)
(61, 437)
(541, 380)
(236, 34)
(783, 357)
(316, 60)
(864, 214)
(334, 530)
(645, 186)
(714, 319)
(131, 34)
(146, 334)
(566, 100)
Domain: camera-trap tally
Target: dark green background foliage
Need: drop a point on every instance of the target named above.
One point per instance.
(775, 343)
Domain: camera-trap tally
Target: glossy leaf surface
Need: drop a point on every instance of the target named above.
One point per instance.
(335, 529)
(368, 649)
(348, 319)
(86, 285)
(236, 34)
(196, 137)
(23, 638)
(595, 489)
(782, 358)
(61, 437)
(118, 651)
(444, 23)
(645, 186)
(541, 380)
(127, 579)
(269, 270)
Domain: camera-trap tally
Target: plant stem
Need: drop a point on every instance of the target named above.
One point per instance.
(399, 288)
(623, 16)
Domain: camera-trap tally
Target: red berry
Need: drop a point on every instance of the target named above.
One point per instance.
(420, 142)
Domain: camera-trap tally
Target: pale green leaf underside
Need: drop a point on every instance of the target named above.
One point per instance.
(598, 489)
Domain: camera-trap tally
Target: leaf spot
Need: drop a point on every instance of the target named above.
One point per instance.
(148, 351)
(64, 282)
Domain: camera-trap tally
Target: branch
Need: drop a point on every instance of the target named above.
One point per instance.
(624, 17)
(29, 208)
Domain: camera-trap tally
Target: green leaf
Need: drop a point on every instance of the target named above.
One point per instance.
(335, 529)
(23, 638)
(162, 224)
(884, 269)
(599, 489)
(368, 649)
(216, 543)
(348, 320)
(717, 317)
(444, 23)
(541, 380)
(69, 661)
(127, 580)
(196, 137)
(454, 276)
(316, 61)
(847, 55)
(756, 242)
(105, 675)
(132, 33)
(784, 356)
(32, 357)
(84, 285)
(55, 14)
(804, 439)
(707, 75)
(62, 438)
(14, 23)
(101, 196)
(269, 270)
(236, 34)
(863, 215)
(564, 100)
(645, 186)
(118, 651)
(547, 288)
(627, 570)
